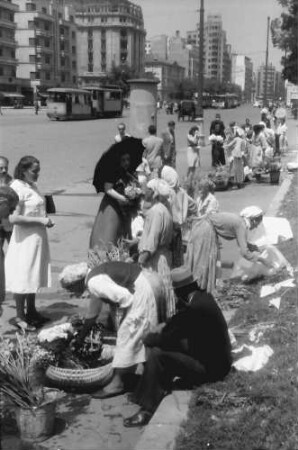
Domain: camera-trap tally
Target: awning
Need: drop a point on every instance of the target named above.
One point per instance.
(11, 95)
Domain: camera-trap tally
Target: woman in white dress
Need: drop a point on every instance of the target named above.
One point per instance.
(27, 263)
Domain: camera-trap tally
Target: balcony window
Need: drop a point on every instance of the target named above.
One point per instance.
(90, 67)
(44, 10)
(74, 79)
(32, 59)
(47, 59)
(30, 7)
(47, 43)
(32, 42)
(31, 25)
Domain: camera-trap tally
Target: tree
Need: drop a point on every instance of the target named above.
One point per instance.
(284, 32)
(119, 76)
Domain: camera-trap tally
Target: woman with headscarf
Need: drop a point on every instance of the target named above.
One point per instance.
(206, 201)
(183, 208)
(257, 147)
(235, 150)
(113, 173)
(203, 247)
(155, 243)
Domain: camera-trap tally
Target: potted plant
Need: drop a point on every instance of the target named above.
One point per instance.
(21, 364)
(274, 170)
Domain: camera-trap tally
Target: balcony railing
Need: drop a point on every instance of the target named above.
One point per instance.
(7, 23)
(8, 5)
(7, 42)
(6, 60)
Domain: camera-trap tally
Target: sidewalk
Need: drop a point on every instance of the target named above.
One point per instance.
(84, 423)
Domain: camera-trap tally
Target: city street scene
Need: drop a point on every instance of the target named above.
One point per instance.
(148, 224)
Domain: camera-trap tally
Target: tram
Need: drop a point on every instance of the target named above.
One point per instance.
(89, 102)
(106, 101)
(225, 101)
(68, 103)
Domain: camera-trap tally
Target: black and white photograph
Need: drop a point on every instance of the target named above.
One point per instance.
(148, 224)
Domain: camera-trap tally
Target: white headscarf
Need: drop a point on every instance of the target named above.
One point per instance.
(251, 212)
(159, 187)
(170, 176)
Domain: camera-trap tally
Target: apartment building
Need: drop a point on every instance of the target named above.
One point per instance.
(168, 73)
(242, 75)
(275, 84)
(110, 33)
(217, 60)
(46, 51)
(8, 61)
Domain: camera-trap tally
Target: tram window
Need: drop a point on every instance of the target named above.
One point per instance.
(77, 100)
(94, 95)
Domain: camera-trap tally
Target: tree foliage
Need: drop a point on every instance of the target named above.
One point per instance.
(284, 32)
(119, 75)
(186, 88)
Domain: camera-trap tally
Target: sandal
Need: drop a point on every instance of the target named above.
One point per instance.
(22, 325)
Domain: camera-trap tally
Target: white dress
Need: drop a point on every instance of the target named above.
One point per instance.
(27, 262)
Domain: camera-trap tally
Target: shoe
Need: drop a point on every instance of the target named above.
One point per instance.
(22, 325)
(101, 395)
(139, 419)
(37, 320)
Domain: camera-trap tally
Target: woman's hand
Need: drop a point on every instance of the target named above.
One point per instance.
(48, 222)
(123, 200)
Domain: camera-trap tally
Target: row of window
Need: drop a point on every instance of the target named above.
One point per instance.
(30, 6)
(7, 34)
(7, 72)
(48, 76)
(7, 53)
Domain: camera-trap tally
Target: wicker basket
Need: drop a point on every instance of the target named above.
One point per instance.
(79, 378)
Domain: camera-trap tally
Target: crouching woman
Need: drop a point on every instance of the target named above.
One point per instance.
(138, 295)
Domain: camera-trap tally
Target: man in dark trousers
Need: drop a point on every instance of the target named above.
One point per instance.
(194, 345)
(217, 121)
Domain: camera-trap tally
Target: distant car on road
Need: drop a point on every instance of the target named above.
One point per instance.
(258, 104)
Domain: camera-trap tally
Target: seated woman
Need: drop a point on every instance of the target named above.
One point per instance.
(114, 171)
(203, 247)
(137, 294)
(206, 201)
(183, 208)
(155, 243)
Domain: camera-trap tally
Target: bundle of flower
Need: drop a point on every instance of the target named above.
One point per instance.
(133, 192)
(108, 252)
(221, 178)
(70, 352)
(20, 362)
(216, 138)
(72, 277)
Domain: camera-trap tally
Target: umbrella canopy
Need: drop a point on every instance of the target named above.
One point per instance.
(108, 167)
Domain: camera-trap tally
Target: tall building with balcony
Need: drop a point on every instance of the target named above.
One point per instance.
(271, 82)
(8, 61)
(217, 61)
(46, 52)
(242, 75)
(110, 33)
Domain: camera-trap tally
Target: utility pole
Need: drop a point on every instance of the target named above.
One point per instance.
(201, 74)
(265, 102)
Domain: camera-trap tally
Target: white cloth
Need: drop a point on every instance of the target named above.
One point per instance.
(256, 361)
(193, 150)
(27, 262)
(208, 205)
(140, 315)
(271, 231)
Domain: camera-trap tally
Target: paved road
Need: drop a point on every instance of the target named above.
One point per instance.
(68, 151)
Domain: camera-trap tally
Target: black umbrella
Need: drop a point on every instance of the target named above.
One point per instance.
(108, 167)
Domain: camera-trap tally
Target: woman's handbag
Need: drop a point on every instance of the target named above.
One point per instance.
(50, 205)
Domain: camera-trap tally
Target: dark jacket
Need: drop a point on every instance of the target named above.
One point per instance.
(202, 327)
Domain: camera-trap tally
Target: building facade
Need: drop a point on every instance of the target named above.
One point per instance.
(110, 33)
(169, 74)
(217, 53)
(158, 47)
(46, 52)
(185, 55)
(275, 84)
(8, 60)
(242, 75)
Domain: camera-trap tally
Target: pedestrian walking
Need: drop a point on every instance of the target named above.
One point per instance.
(27, 264)
(193, 156)
(122, 134)
(169, 145)
(153, 149)
(36, 107)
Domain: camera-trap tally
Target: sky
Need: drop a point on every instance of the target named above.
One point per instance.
(245, 22)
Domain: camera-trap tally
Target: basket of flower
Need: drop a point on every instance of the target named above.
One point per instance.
(78, 364)
(274, 170)
(221, 178)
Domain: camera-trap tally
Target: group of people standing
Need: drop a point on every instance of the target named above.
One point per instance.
(245, 149)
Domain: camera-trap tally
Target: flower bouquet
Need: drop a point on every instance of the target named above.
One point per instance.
(216, 139)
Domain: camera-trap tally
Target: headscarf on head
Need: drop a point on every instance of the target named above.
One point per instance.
(160, 188)
(251, 212)
(262, 124)
(170, 176)
(207, 184)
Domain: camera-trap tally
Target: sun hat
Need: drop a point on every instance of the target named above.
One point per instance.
(159, 187)
(182, 276)
(251, 212)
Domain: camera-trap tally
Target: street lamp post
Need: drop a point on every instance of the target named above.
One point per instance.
(201, 75)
